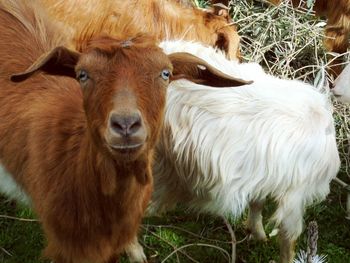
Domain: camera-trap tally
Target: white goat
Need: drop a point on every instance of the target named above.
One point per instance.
(224, 149)
(341, 91)
(342, 85)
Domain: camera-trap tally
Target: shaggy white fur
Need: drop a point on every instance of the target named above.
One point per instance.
(227, 147)
(10, 188)
(223, 149)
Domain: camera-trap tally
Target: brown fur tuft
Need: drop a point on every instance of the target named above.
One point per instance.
(89, 199)
(163, 19)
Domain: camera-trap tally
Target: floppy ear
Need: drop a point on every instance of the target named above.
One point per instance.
(197, 70)
(59, 61)
(222, 41)
(222, 10)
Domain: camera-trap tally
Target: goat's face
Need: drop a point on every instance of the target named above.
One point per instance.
(123, 85)
(124, 96)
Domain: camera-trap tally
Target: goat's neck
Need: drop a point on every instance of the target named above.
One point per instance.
(107, 172)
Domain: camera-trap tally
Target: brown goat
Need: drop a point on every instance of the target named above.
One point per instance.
(164, 19)
(82, 153)
(337, 29)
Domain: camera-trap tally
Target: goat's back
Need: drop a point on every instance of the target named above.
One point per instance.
(230, 146)
(162, 19)
(25, 30)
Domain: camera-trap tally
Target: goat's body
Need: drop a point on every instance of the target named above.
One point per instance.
(342, 85)
(162, 19)
(45, 145)
(221, 150)
(243, 140)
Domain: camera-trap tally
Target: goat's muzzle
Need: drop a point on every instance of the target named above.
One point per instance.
(126, 133)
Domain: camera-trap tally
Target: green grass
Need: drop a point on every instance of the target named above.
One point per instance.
(19, 241)
(181, 236)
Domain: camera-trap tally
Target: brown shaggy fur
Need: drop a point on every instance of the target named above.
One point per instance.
(57, 137)
(164, 19)
(338, 25)
(89, 199)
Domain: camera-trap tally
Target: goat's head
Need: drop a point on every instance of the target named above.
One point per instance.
(125, 108)
(224, 32)
(124, 88)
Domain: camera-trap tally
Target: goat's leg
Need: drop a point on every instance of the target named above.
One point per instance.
(289, 218)
(135, 252)
(162, 201)
(168, 190)
(287, 246)
(254, 221)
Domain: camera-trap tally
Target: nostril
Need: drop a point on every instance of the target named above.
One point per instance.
(117, 125)
(125, 125)
(134, 124)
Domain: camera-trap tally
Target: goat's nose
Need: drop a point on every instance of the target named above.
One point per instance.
(125, 125)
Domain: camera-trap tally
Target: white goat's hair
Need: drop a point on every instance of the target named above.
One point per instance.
(223, 148)
(342, 85)
(11, 189)
(302, 258)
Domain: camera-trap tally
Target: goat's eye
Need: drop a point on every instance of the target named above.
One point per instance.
(83, 75)
(165, 74)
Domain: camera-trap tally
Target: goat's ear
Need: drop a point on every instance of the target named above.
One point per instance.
(223, 41)
(59, 61)
(197, 70)
(221, 9)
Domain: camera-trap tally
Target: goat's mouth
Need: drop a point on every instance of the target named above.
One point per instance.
(125, 145)
(126, 148)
